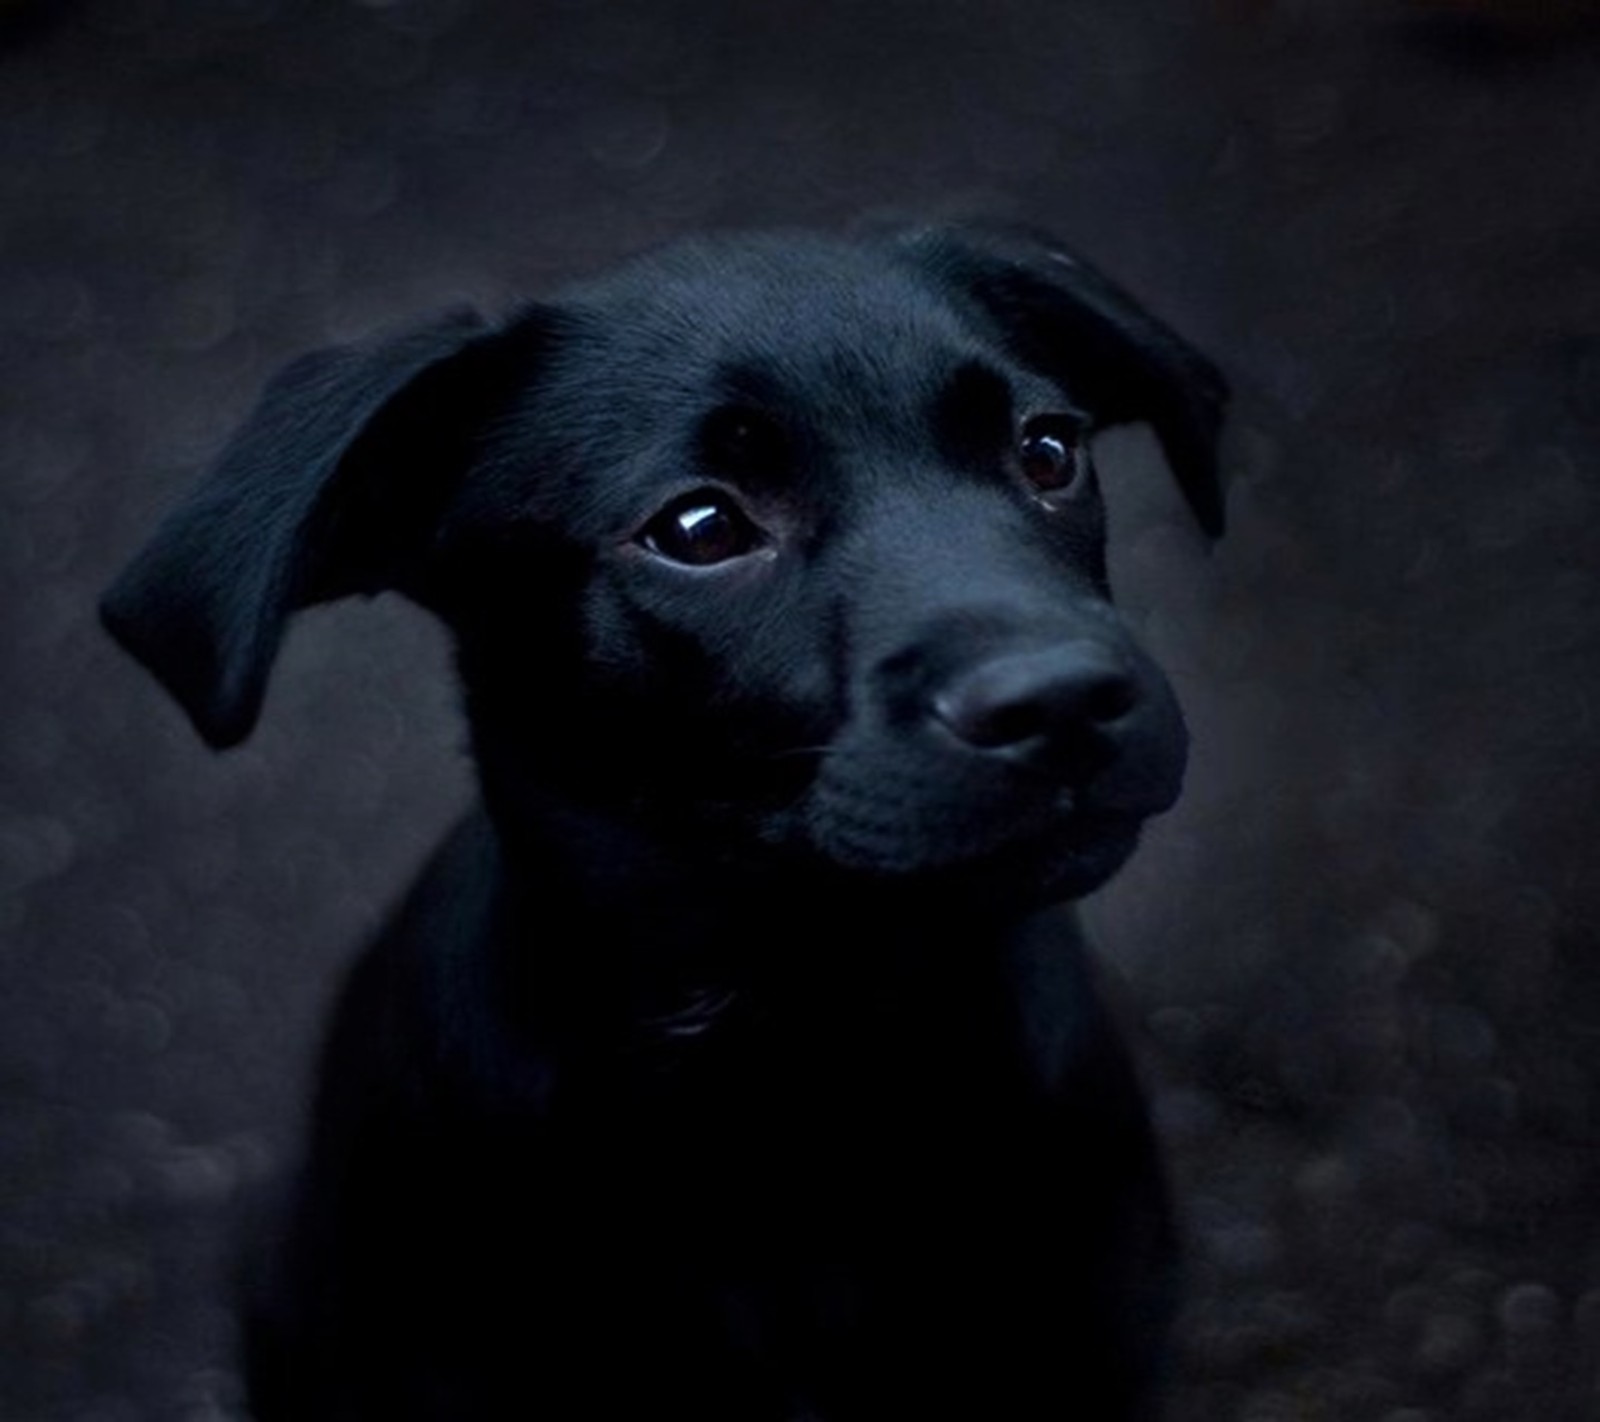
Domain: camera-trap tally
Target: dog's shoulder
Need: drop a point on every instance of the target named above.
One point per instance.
(416, 1023)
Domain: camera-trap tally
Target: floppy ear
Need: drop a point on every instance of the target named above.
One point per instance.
(1064, 319)
(333, 482)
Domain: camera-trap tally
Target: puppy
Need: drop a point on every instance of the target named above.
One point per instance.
(739, 1059)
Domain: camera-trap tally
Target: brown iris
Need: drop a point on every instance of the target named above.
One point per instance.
(1053, 455)
(701, 529)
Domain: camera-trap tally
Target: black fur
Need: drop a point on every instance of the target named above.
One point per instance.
(740, 1060)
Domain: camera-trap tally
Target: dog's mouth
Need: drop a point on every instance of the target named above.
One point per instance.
(1071, 859)
(1037, 842)
(1005, 830)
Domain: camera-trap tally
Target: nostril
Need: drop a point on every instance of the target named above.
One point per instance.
(985, 723)
(1060, 697)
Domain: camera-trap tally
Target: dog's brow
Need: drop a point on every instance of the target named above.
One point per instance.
(972, 410)
(975, 387)
(782, 412)
(749, 384)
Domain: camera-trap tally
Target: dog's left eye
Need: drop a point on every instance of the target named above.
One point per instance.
(701, 529)
(1053, 456)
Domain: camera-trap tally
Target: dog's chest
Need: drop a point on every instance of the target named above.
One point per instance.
(808, 1199)
(782, 1131)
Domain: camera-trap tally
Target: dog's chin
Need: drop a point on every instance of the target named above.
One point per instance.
(1026, 862)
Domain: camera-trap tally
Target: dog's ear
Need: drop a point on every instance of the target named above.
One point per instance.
(332, 484)
(1064, 319)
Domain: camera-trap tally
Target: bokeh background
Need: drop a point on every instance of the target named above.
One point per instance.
(1360, 958)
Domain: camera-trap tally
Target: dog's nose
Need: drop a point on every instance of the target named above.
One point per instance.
(1057, 705)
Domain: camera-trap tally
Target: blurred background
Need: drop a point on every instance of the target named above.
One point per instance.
(1360, 957)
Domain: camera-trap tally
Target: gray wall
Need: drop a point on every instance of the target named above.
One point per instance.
(1359, 956)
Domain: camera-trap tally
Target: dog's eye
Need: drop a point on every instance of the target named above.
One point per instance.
(701, 529)
(1054, 456)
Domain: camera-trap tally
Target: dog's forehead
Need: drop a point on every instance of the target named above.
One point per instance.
(851, 347)
(809, 317)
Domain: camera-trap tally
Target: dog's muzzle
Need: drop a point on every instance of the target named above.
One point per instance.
(1037, 757)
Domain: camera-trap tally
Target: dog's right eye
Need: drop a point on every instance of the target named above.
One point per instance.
(701, 529)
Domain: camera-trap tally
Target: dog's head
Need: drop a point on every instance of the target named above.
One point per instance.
(776, 541)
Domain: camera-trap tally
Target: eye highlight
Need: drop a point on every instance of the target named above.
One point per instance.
(1053, 457)
(700, 530)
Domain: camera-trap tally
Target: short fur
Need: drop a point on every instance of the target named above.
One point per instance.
(739, 1059)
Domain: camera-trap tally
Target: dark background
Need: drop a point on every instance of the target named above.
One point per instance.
(1360, 956)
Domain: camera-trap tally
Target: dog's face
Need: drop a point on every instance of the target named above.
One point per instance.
(772, 542)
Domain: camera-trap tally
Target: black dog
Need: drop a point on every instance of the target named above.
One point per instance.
(739, 1061)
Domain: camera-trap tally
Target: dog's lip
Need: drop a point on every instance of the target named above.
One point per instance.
(1086, 841)
(1072, 858)
(1085, 824)
(1066, 827)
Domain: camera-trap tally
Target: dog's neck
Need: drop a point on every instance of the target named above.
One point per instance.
(664, 934)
